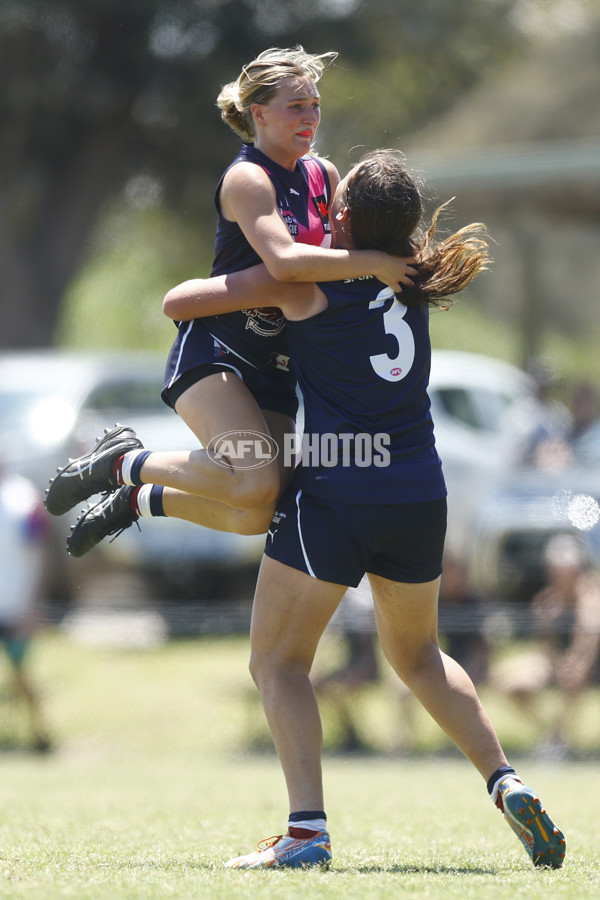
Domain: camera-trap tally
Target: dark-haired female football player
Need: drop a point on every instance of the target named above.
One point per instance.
(368, 496)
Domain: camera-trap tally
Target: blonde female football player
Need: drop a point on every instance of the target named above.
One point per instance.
(232, 372)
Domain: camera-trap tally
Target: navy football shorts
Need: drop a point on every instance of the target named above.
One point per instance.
(199, 354)
(339, 542)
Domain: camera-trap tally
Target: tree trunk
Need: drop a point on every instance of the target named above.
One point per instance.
(35, 270)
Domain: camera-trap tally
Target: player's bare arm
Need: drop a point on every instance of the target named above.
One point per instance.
(220, 294)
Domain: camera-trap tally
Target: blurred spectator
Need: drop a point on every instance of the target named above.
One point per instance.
(584, 437)
(541, 426)
(340, 689)
(22, 551)
(584, 409)
(461, 620)
(566, 625)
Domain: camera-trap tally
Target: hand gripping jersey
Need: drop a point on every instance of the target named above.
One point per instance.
(363, 367)
(257, 335)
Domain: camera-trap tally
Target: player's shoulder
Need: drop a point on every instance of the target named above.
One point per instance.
(244, 171)
(245, 182)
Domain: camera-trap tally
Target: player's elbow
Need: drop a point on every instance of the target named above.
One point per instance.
(172, 305)
(284, 267)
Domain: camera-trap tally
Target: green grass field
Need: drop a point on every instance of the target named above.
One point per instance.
(153, 786)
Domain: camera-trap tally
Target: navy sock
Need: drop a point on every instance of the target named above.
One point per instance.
(156, 500)
(147, 500)
(499, 773)
(305, 814)
(136, 466)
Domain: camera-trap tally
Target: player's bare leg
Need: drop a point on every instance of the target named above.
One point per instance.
(193, 486)
(406, 616)
(219, 515)
(214, 514)
(290, 613)
(219, 404)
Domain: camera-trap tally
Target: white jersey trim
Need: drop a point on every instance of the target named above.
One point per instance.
(235, 353)
(176, 372)
(304, 553)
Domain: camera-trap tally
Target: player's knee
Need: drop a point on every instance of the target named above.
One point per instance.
(256, 490)
(277, 667)
(411, 664)
(256, 669)
(265, 668)
(252, 521)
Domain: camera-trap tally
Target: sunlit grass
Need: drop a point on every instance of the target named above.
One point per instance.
(153, 786)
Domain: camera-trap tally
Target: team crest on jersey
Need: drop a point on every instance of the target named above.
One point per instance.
(321, 207)
(267, 321)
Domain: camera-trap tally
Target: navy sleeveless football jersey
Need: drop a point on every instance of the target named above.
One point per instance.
(257, 335)
(363, 368)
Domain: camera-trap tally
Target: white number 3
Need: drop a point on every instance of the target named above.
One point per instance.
(397, 367)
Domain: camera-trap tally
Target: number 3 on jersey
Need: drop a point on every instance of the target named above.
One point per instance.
(397, 367)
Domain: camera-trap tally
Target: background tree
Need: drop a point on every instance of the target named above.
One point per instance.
(107, 95)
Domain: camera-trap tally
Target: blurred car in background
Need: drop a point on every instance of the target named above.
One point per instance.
(472, 397)
(473, 403)
(554, 490)
(54, 404)
(517, 517)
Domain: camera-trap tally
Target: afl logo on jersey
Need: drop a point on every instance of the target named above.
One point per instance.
(396, 372)
(267, 321)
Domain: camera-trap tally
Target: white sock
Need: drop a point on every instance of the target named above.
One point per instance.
(129, 460)
(143, 499)
(494, 794)
(310, 824)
